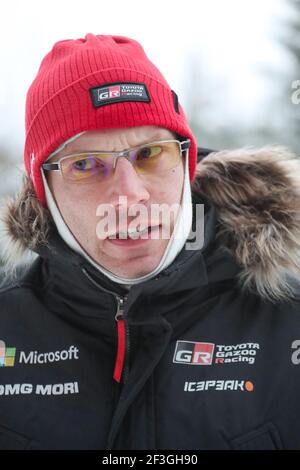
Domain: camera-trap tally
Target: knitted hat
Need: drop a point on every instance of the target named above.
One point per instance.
(98, 82)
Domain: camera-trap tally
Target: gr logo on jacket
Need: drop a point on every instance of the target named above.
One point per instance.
(204, 356)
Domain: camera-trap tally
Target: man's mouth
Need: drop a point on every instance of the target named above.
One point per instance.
(134, 233)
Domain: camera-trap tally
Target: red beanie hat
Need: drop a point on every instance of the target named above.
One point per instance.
(98, 82)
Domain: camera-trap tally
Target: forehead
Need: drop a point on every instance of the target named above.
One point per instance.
(138, 132)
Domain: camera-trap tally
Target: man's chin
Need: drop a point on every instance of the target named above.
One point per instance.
(134, 274)
(130, 249)
(133, 268)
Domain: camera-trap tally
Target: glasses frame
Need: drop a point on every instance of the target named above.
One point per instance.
(56, 166)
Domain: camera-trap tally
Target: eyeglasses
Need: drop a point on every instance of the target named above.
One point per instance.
(153, 158)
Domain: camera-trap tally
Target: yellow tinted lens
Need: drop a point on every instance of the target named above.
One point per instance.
(157, 157)
(85, 167)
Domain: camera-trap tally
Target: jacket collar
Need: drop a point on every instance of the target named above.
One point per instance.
(187, 271)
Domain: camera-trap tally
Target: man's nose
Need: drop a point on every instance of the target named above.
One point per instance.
(127, 182)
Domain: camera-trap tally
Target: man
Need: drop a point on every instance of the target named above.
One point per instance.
(120, 335)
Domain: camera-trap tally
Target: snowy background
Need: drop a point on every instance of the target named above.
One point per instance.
(231, 63)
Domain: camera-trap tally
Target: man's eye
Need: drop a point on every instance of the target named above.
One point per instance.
(149, 152)
(85, 164)
(80, 165)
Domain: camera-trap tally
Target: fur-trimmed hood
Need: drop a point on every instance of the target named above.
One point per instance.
(256, 194)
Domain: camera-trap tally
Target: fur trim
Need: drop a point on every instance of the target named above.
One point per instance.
(24, 227)
(257, 197)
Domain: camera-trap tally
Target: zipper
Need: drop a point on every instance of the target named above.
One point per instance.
(123, 350)
(123, 343)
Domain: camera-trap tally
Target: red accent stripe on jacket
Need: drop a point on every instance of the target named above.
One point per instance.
(121, 351)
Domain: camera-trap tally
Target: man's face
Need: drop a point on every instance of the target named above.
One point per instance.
(78, 202)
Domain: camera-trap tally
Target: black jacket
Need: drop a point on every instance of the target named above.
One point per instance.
(212, 344)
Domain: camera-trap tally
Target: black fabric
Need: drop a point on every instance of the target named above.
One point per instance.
(165, 401)
(203, 152)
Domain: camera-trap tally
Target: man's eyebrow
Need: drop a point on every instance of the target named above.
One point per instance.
(154, 138)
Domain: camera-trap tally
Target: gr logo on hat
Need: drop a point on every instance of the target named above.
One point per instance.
(118, 92)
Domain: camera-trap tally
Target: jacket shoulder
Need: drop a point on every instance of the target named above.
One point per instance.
(22, 276)
(8, 282)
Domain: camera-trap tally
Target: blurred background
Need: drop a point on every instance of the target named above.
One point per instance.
(235, 65)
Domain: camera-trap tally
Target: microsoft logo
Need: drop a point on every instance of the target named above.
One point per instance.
(7, 355)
